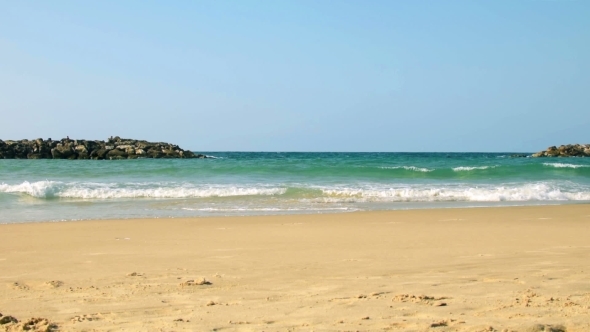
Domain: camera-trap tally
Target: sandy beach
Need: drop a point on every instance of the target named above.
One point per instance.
(477, 269)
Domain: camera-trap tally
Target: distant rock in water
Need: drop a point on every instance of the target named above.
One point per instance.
(113, 148)
(570, 150)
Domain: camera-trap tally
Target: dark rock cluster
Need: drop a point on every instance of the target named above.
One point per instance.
(9, 323)
(570, 150)
(113, 148)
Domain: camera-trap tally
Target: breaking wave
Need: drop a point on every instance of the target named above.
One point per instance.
(515, 193)
(469, 168)
(56, 189)
(409, 168)
(540, 191)
(562, 165)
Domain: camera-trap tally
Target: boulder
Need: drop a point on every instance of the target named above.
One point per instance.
(81, 149)
(116, 154)
(188, 154)
(21, 149)
(153, 153)
(129, 149)
(83, 155)
(113, 148)
(127, 142)
(93, 145)
(62, 152)
(99, 154)
(569, 150)
(8, 154)
(171, 153)
(34, 156)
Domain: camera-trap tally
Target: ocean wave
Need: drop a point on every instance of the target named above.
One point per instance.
(563, 165)
(41, 189)
(518, 193)
(408, 168)
(302, 193)
(270, 209)
(55, 189)
(471, 168)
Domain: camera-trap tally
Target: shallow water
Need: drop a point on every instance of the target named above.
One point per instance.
(247, 183)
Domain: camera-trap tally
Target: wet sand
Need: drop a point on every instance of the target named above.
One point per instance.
(480, 269)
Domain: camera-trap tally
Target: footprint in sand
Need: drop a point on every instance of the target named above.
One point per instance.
(240, 322)
(421, 299)
(546, 328)
(19, 286)
(451, 322)
(54, 283)
(135, 274)
(39, 324)
(86, 318)
(198, 282)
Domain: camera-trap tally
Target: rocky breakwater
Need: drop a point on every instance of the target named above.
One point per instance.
(113, 148)
(570, 150)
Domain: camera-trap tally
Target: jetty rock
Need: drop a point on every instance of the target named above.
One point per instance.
(112, 149)
(570, 150)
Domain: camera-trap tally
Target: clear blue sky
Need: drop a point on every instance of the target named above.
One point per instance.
(299, 75)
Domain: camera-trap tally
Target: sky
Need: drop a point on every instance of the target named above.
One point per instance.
(322, 75)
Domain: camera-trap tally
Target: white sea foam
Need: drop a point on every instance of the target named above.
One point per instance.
(41, 189)
(540, 191)
(408, 168)
(471, 168)
(562, 165)
(53, 189)
(273, 209)
(526, 192)
(167, 192)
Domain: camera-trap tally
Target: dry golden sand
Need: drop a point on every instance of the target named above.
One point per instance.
(481, 269)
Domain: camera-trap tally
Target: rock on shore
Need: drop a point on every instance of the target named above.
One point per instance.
(570, 150)
(113, 148)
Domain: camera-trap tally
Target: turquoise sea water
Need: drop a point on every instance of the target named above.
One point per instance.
(247, 183)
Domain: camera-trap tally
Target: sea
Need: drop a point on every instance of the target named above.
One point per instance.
(275, 183)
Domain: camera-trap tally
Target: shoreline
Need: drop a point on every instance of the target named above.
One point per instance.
(459, 207)
(469, 269)
(274, 184)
